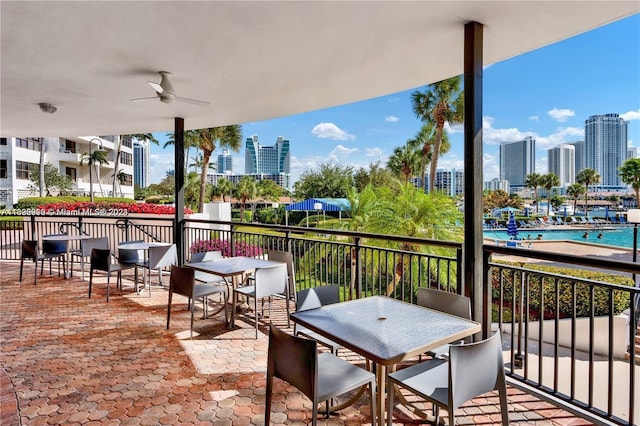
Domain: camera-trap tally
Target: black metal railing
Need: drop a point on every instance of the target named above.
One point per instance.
(570, 328)
(564, 330)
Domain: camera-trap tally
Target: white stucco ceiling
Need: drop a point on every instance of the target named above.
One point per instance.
(250, 60)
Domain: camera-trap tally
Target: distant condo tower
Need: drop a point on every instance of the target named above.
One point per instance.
(517, 160)
(606, 147)
(141, 154)
(271, 160)
(562, 163)
(580, 155)
(225, 162)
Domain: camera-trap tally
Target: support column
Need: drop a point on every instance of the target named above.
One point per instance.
(178, 230)
(473, 239)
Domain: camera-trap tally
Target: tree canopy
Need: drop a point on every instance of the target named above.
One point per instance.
(330, 180)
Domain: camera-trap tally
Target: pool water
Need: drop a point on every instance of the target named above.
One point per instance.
(620, 237)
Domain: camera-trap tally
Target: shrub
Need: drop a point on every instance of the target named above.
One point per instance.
(35, 202)
(241, 248)
(538, 283)
(11, 222)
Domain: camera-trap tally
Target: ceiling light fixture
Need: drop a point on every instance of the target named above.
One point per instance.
(45, 107)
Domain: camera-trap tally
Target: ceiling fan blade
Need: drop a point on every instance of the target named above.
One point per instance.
(143, 99)
(192, 101)
(156, 86)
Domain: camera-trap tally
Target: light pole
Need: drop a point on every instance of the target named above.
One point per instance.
(90, 163)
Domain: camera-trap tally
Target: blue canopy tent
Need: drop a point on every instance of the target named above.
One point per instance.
(319, 204)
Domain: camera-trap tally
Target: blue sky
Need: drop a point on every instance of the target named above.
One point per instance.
(547, 93)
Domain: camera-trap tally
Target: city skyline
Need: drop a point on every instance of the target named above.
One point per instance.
(546, 94)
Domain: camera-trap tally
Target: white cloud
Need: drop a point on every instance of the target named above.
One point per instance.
(331, 131)
(542, 165)
(561, 135)
(534, 118)
(490, 167)
(161, 163)
(342, 151)
(391, 118)
(631, 115)
(456, 128)
(373, 152)
(561, 115)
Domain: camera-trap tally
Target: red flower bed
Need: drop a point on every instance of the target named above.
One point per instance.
(241, 248)
(120, 209)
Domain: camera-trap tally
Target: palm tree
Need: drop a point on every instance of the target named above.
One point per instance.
(121, 177)
(128, 139)
(97, 157)
(440, 103)
(423, 142)
(533, 181)
(190, 140)
(548, 181)
(404, 161)
(575, 190)
(587, 177)
(246, 190)
(225, 187)
(630, 174)
(226, 136)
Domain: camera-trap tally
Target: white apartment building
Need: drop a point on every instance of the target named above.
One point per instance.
(497, 184)
(18, 155)
(562, 163)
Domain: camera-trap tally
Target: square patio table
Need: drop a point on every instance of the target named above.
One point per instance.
(230, 267)
(385, 331)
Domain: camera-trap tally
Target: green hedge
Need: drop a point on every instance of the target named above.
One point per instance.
(35, 202)
(601, 294)
(158, 199)
(11, 222)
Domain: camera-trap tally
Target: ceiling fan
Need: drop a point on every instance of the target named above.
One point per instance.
(166, 92)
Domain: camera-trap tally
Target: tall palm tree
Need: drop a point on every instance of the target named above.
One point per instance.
(575, 190)
(441, 102)
(548, 181)
(630, 174)
(96, 158)
(587, 177)
(121, 177)
(404, 161)
(533, 181)
(423, 142)
(190, 141)
(128, 139)
(246, 190)
(226, 136)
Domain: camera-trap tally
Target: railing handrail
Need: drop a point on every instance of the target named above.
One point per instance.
(341, 232)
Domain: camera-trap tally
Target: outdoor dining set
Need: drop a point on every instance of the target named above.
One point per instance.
(386, 333)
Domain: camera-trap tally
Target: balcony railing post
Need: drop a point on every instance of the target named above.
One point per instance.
(358, 275)
(232, 240)
(33, 227)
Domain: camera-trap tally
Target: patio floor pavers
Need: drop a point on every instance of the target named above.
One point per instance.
(73, 360)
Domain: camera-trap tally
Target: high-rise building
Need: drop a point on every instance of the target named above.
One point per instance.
(225, 162)
(517, 160)
(141, 154)
(497, 184)
(606, 147)
(632, 152)
(266, 159)
(450, 182)
(580, 156)
(562, 163)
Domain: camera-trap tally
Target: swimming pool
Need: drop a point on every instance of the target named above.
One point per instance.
(620, 237)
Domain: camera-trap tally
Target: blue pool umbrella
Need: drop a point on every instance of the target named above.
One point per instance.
(512, 228)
